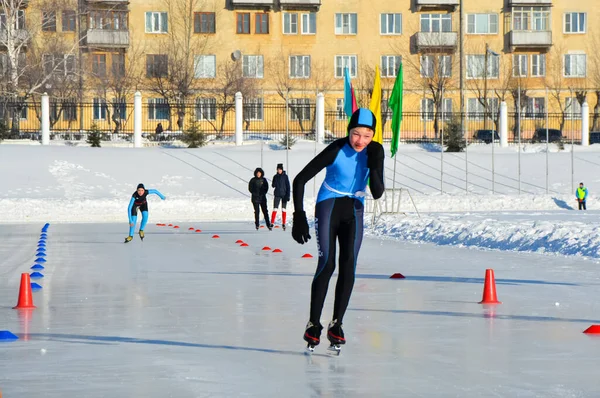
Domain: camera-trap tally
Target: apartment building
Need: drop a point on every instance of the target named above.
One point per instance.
(187, 49)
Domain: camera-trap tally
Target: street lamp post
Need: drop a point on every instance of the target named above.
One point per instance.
(485, 106)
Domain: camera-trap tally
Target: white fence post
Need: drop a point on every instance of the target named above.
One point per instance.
(320, 118)
(137, 120)
(45, 119)
(503, 125)
(239, 119)
(585, 124)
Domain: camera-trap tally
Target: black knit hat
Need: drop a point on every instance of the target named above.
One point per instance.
(362, 117)
(279, 166)
(141, 186)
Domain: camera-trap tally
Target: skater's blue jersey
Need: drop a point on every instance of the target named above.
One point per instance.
(347, 173)
(140, 201)
(346, 176)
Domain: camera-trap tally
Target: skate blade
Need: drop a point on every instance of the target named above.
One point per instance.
(334, 349)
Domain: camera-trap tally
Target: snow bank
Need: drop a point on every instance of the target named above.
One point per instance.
(542, 235)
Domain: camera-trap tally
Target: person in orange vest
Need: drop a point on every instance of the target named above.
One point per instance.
(581, 195)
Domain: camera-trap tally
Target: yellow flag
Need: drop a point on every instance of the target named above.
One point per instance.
(375, 106)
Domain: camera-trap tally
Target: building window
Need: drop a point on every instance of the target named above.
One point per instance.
(534, 108)
(520, 65)
(118, 65)
(575, 65)
(253, 66)
(390, 65)
(300, 66)
(345, 61)
(340, 114)
(59, 64)
(436, 23)
(243, 23)
(575, 22)
(483, 24)
(309, 23)
(157, 22)
(346, 24)
(205, 66)
(68, 21)
(475, 69)
(119, 109)
(290, 23)
(157, 65)
(206, 108)
(531, 18)
(575, 110)
(100, 109)
(158, 109)
(391, 24)
(429, 64)
(253, 109)
(261, 25)
(538, 65)
(204, 22)
(49, 21)
(299, 109)
(19, 22)
(99, 65)
(476, 111)
(108, 20)
(428, 109)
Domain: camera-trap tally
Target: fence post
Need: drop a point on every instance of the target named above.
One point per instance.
(585, 124)
(137, 120)
(45, 119)
(503, 125)
(320, 118)
(239, 119)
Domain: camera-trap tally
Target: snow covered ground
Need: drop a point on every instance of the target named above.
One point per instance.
(82, 184)
(185, 315)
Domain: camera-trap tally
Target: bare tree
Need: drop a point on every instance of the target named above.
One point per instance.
(116, 84)
(558, 84)
(173, 76)
(594, 75)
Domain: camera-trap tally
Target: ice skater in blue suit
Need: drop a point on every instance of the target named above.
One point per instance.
(138, 201)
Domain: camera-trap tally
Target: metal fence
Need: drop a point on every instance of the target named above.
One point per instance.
(162, 121)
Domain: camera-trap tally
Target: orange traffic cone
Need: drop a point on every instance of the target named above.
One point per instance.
(25, 296)
(489, 289)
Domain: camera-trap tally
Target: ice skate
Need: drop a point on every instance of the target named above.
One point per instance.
(335, 335)
(283, 226)
(141, 235)
(312, 335)
(128, 239)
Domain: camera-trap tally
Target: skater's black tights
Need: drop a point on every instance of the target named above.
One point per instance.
(338, 219)
(263, 207)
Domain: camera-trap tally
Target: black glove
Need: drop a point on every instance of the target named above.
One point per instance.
(300, 231)
(286, 199)
(375, 155)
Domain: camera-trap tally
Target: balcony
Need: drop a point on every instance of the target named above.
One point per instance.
(543, 3)
(300, 4)
(107, 38)
(20, 35)
(436, 41)
(436, 4)
(530, 39)
(260, 4)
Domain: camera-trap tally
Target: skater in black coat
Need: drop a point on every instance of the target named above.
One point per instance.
(281, 183)
(258, 187)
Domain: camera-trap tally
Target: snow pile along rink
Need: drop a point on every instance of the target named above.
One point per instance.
(496, 232)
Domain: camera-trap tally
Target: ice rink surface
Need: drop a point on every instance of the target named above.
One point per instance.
(185, 315)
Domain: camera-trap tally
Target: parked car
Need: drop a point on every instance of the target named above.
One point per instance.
(554, 135)
(486, 135)
(595, 137)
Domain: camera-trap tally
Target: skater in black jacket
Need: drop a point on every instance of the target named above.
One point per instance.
(351, 163)
(258, 187)
(281, 183)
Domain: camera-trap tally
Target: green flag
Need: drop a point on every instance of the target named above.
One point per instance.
(395, 104)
